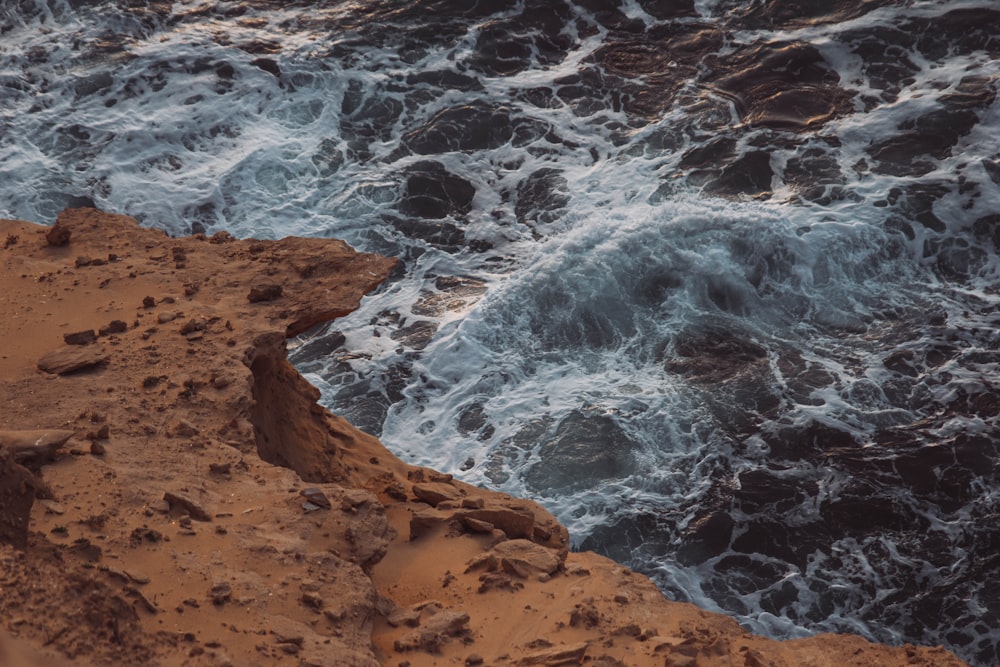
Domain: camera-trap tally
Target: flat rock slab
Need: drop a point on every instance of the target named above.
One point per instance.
(30, 445)
(72, 358)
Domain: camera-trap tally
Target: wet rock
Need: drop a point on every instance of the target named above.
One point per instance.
(269, 65)
(264, 292)
(706, 537)
(80, 337)
(520, 558)
(781, 85)
(431, 191)
(583, 451)
(416, 335)
(71, 359)
(751, 174)
(541, 196)
(470, 127)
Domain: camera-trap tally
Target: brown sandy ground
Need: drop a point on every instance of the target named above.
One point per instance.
(171, 493)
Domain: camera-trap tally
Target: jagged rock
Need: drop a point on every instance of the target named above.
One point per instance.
(58, 235)
(70, 359)
(433, 493)
(436, 627)
(17, 495)
(113, 327)
(525, 558)
(220, 593)
(185, 500)
(30, 446)
(316, 497)
(268, 292)
(424, 521)
(80, 337)
(521, 558)
(477, 526)
(560, 655)
(514, 523)
(184, 429)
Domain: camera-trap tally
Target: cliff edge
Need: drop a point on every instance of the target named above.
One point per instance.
(172, 494)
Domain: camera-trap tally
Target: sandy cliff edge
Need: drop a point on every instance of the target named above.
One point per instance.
(193, 505)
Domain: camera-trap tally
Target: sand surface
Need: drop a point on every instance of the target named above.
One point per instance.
(171, 493)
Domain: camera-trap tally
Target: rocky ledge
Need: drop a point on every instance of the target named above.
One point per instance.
(172, 494)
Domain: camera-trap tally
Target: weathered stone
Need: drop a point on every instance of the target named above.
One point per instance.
(524, 558)
(433, 493)
(264, 292)
(185, 500)
(477, 526)
(70, 359)
(315, 496)
(514, 523)
(113, 327)
(17, 495)
(80, 337)
(29, 446)
(184, 429)
(560, 655)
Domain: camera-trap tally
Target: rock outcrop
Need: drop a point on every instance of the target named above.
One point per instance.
(207, 511)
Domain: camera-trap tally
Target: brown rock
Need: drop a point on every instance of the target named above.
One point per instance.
(193, 506)
(17, 495)
(80, 337)
(220, 593)
(264, 292)
(114, 327)
(561, 655)
(58, 235)
(524, 558)
(477, 526)
(433, 493)
(70, 359)
(31, 446)
(514, 523)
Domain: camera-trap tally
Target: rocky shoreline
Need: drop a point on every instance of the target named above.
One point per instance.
(171, 493)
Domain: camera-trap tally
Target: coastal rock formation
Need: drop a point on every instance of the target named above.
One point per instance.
(202, 509)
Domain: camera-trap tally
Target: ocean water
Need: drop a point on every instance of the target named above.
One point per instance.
(715, 281)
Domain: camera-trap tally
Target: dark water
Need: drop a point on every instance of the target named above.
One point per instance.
(715, 281)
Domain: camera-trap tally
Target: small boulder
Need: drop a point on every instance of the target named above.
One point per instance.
(264, 292)
(72, 358)
(80, 337)
(189, 503)
(433, 493)
(58, 235)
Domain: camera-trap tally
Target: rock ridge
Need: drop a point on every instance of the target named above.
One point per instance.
(184, 500)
